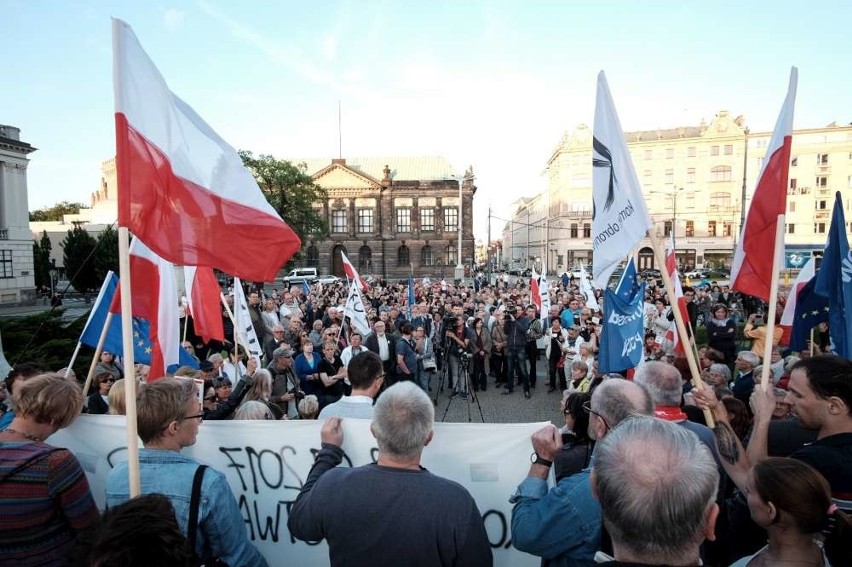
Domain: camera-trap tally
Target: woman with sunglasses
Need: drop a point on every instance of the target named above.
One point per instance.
(107, 364)
(576, 446)
(98, 401)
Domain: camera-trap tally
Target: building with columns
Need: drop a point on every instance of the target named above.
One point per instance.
(696, 180)
(17, 277)
(392, 216)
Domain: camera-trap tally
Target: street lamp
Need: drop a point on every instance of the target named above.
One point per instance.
(459, 272)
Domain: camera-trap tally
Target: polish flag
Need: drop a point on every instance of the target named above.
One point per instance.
(535, 292)
(754, 261)
(671, 268)
(352, 273)
(807, 273)
(182, 188)
(202, 293)
(155, 298)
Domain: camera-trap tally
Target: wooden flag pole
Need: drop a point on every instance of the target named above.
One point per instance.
(185, 325)
(98, 350)
(773, 301)
(697, 382)
(129, 362)
(237, 333)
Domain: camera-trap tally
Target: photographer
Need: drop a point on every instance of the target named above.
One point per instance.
(516, 326)
(458, 350)
(755, 329)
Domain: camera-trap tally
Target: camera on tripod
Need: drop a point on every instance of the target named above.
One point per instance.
(464, 359)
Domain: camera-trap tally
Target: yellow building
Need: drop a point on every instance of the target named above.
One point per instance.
(694, 180)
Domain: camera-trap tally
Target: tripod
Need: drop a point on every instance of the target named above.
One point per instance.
(462, 389)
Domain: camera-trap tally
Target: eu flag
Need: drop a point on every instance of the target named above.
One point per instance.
(628, 284)
(811, 309)
(834, 281)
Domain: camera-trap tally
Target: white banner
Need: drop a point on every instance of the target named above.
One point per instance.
(266, 473)
(242, 319)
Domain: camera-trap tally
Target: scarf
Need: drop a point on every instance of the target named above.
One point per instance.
(669, 413)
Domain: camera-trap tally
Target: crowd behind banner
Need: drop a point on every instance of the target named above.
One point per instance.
(431, 333)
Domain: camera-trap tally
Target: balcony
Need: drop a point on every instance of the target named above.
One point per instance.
(821, 215)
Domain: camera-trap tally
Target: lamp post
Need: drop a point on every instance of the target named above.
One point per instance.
(459, 272)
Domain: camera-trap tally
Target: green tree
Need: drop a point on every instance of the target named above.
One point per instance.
(291, 192)
(106, 256)
(55, 212)
(46, 338)
(41, 260)
(80, 265)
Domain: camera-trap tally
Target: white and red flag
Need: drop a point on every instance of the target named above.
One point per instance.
(182, 189)
(788, 318)
(155, 298)
(535, 291)
(754, 258)
(680, 300)
(353, 274)
(203, 302)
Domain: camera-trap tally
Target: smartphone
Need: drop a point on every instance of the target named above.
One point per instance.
(596, 320)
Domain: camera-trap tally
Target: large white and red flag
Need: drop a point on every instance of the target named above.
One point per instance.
(788, 318)
(181, 188)
(155, 298)
(680, 300)
(203, 302)
(754, 258)
(353, 274)
(535, 292)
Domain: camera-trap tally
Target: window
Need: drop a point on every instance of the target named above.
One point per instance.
(711, 228)
(427, 220)
(451, 219)
(690, 151)
(690, 228)
(720, 200)
(690, 175)
(821, 205)
(729, 150)
(791, 228)
(720, 173)
(669, 176)
(365, 220)
(402, 256)
(338, 221)
(403, 220)
(821, 181)
(427, 257)
(667, 228)
(649, 154)
(669, 153)
(727, 228)
(793, 183)
(573, 230)
(822, 159)
(794, 161)
(452, 254)
(365, 259)
(312, 256)
(6, 264)
(587, 230)
(819, 227)
(714, 150)
(792, 207)
(690, 200)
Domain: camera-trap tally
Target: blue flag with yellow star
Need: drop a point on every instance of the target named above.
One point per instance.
(142, 348)
(811, 309)
(628, 286)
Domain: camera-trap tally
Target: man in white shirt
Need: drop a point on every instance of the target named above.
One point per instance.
(353, 349)
(366, 375)
(383, 345)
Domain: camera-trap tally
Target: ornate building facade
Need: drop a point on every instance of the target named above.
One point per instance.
(393, 217)
(17, 278)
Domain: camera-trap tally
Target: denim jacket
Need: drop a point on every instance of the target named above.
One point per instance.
(221, 530)
(562, 525)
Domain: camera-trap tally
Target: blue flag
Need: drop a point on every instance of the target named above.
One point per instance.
(834, 281)
(410, 296)
(142, 348)
(628, 284)
(811, 309)
(623, 334)
(306, 289)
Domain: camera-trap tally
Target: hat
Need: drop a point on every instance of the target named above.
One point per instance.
(282, 352)
(205, 366)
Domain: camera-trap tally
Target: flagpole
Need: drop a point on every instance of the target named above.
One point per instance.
(812, 341)
(129, 367)
(237, 334)
(73, 360)
(697, 383)
(773, 301)
(185, 325)
(98, 350)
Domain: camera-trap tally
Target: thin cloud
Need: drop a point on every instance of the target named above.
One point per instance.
(173, 19)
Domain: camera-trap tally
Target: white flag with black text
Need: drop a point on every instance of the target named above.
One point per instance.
(354, 309)
(243, 321)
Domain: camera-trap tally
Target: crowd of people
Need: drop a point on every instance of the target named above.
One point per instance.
(639, 477)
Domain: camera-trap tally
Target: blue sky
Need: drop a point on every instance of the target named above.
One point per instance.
(488, 84)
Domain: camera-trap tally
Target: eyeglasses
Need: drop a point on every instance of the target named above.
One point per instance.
(110, 380)
(209, 398)
(199, 417)
(587, 407)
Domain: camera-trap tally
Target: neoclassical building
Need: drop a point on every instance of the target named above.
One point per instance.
(17, 279)
(392, 216)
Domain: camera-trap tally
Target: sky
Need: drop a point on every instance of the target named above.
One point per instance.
(488, 84)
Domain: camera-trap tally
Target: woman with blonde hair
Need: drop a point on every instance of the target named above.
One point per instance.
(45, 501)
(261, 390)
(116, 399)
(253, 410)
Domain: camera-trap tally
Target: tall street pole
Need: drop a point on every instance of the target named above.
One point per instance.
(743, 196)
(488, 248)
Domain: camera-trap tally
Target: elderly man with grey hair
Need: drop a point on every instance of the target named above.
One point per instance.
(657, 510)
(563, 525)
(393, 511)
(743, 384)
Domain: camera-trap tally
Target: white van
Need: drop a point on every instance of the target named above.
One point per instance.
(300, 275)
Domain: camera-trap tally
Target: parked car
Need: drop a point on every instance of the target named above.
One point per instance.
(328, 279)
(651, 273)
(300, 275)
(698, 273)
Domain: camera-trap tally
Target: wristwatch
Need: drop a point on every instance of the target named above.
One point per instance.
(538, 460)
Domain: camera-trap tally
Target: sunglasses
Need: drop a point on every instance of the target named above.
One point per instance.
(209, 398)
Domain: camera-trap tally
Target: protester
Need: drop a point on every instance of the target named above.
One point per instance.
(107, 364)
(285, 384)
(353, 349)
(743, 384)
(722, 333)
(168, 417)
(555, 355)
(515, 327)
(17, 376)
(98, 400)
(563, 525)
(332, 374)
(217, 408)
(336, 499)
(45, 501)
(383, 345)
(254, 410)
(366, 375)
(306, 366)
(117, 400)
(261, 390)
(657, 510)
(480, 342)
(309, 407)
(576, 451)
(406, 356)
